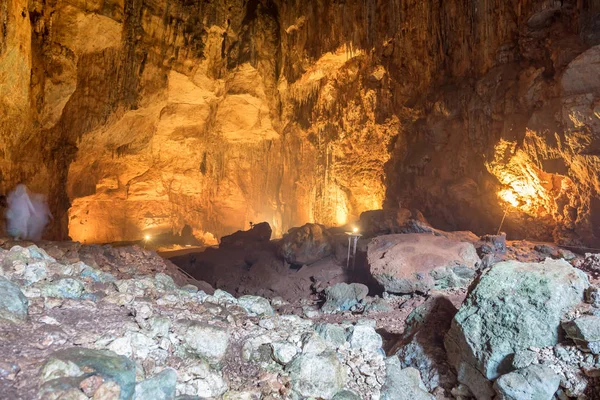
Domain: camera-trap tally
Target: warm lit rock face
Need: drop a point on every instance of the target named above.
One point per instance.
(144, 116)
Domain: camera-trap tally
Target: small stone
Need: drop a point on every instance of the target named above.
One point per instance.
(189, 288)
(561, 353)
(165, 283)
(34, 272)
(310, 312)
(205, 382)
(143, 311)
(267, 323)
(49, 320)
(159, 326)
(108, 391)
(283, 352)
(278, 301)
(223, 295)
(122, 346)
(592, 296)
(241, 396)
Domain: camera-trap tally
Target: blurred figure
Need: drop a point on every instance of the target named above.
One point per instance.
(27, 216)
(40, 217)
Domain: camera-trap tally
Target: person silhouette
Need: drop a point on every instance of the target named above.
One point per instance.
(26, 216)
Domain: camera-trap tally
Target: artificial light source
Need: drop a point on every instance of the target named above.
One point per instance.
(510, 197)
(355, 229)
(147, 237)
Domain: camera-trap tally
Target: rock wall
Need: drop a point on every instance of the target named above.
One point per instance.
(144, 116)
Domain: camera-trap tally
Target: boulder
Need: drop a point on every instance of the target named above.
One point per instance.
(419, 262)
(390, 221)
(259, 233)
(13, 303)
(66, 288)
(343, 296)
(535, 382)
(585, 332)
(207, 341)
(403, 384)
(283, 352)
(160, 387)
(332, 333)
(317, 375)
(422, 343)
(306, 244)
(76, 362)
(512, 307)
(256, 305)
(579, 77)
(364, 337)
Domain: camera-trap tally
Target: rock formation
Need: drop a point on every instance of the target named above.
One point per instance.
(140, 116)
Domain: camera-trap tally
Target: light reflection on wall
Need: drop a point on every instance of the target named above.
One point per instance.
(526, 186)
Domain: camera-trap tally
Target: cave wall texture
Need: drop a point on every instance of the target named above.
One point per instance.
(141, 116)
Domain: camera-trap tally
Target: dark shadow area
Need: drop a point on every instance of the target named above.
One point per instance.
(422, 344)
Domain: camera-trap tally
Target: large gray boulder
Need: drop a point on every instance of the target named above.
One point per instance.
(13, 303)
(306, 244)
(418, 262)
(512, 307)
(536, 382)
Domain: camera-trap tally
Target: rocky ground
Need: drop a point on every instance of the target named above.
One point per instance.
(455, 316)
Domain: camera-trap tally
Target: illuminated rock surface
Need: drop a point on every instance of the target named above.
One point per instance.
(515, 306)
(142, 116)
(419, 262)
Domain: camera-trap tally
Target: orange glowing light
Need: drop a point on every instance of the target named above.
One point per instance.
(509, 196)
(355, 230)
(341, 215)
(147, 237)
